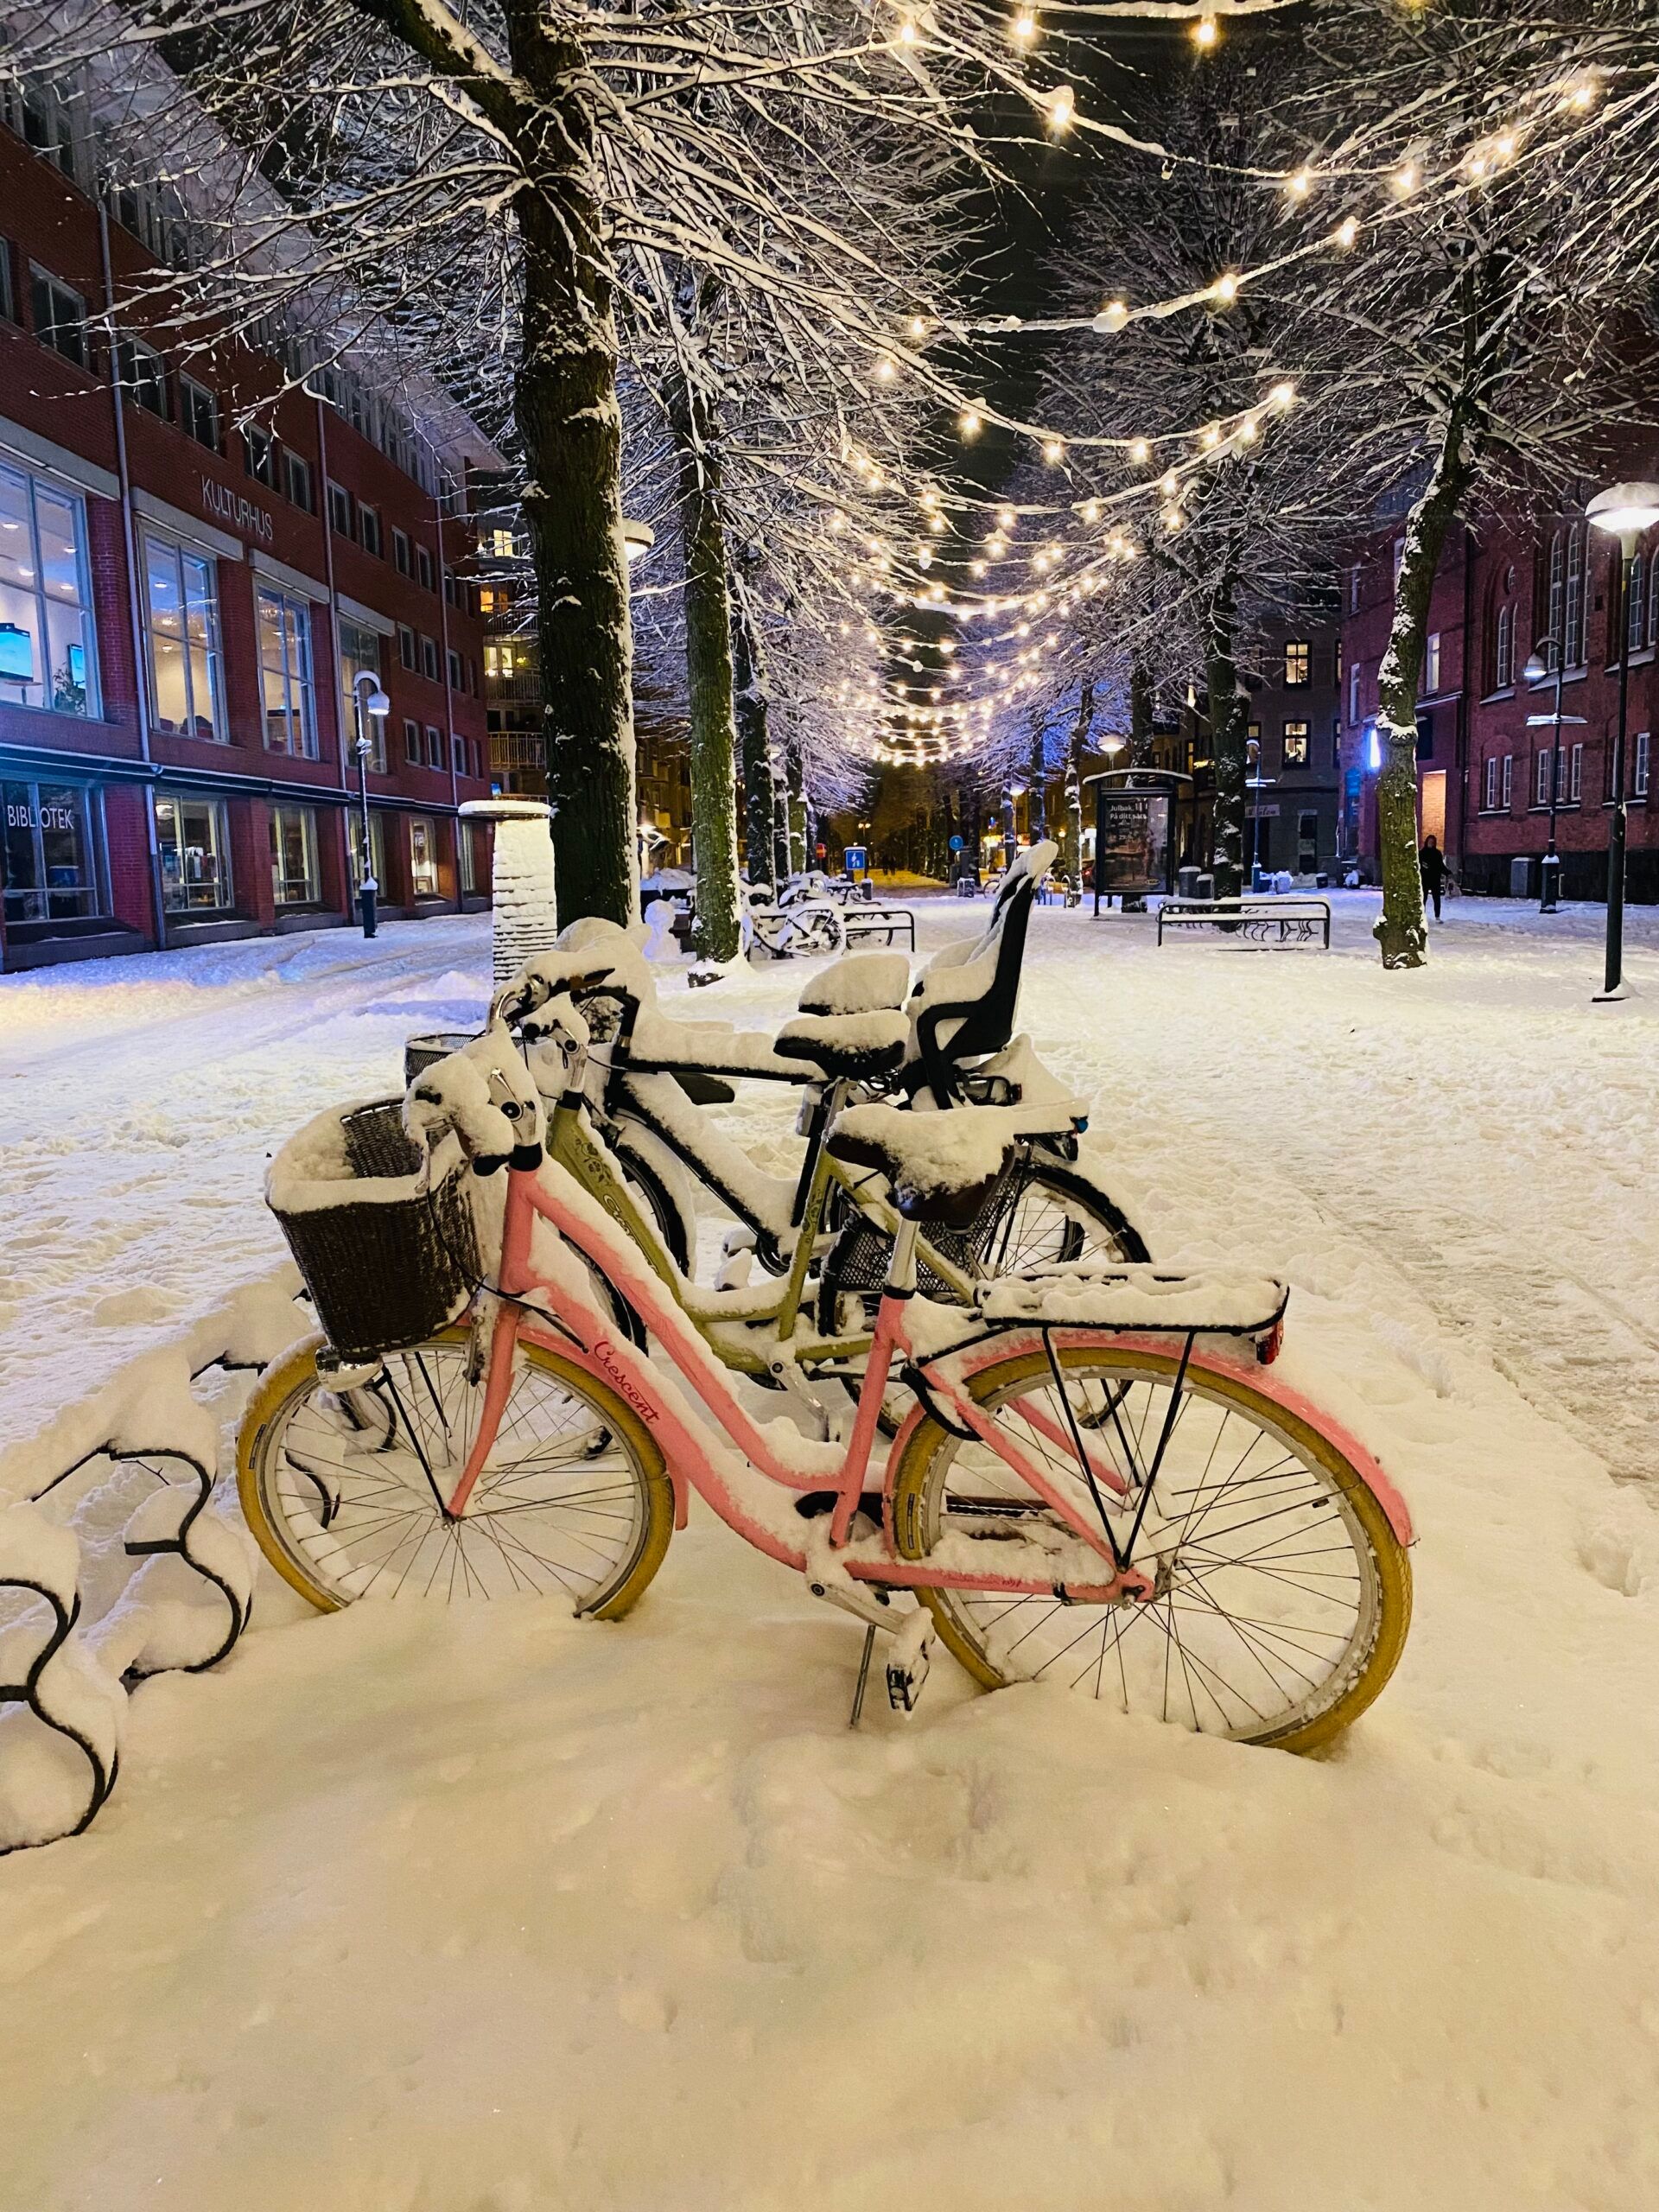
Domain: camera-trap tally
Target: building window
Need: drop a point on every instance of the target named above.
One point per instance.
(1507, 797)
(1296, 745)
(433, 747)
(339, 509)
(400, 551)
(1353, 694)
(46, 622)
(1540, 778)
(368, 525)
(60, 317)
(1308, 842)
(424, 567)
(193, 838)
(182, 634)
(423, 857)
(1503, 648)
(48, 859)
(498, 542)
(1573, 633)
(259, 454)
(406, 645)
(296, 479)
(458, 754)
(1489, 795)
(1575, 783)
(1640, 787)
(429, 658)
(457, 674)
(1298, 661)
(285, 674)
(465, 859)
(1653, 600)
(198, 413)
(294, 856)
(1636, 604)
(143, 375)
(1613, 788)
(359, 655)
(1432, 665)
(376, 848)
(413, 751)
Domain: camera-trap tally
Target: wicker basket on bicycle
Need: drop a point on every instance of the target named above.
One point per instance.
(385, 1241)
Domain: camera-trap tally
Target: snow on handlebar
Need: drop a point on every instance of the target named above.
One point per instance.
(487, 1096)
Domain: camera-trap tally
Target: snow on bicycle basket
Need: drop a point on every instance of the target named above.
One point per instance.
(382, 1233)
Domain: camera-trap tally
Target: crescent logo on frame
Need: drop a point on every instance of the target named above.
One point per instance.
(641, 1404)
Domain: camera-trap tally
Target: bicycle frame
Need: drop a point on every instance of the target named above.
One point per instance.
(566, 1324)
(574, 1146)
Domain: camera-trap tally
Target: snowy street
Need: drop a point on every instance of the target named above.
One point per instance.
(439, 1910)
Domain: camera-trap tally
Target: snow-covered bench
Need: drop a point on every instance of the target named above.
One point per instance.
(1259, 921)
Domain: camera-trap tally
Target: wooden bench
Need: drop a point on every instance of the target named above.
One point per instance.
(1287, 921)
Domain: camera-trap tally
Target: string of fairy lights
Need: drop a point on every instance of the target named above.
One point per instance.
(919, 712)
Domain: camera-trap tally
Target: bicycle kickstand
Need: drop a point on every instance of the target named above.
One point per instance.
(909, 1660)
(863, 1677)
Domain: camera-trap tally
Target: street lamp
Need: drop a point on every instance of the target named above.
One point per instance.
(372, 705)
(1536, 670)
(1625, 511)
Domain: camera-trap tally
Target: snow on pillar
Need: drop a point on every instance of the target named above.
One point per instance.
(526, 915)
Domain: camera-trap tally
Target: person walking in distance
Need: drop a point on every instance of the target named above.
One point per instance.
(1432, 860)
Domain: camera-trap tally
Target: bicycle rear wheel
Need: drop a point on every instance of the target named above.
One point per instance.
(1283, 1595)
(342, 1488)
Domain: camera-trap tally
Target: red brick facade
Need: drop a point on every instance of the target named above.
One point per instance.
(85, 868)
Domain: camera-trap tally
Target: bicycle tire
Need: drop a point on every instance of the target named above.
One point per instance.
(296, 1530)
(995, 1649)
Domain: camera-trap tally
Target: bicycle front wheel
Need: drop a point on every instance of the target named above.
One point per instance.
(1282, 1596)
(343, 1489)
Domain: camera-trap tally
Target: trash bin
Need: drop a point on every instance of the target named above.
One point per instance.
(1186, 882)
(1521, 877)
(1260, 879)
(1206, 885)
(1550, 891)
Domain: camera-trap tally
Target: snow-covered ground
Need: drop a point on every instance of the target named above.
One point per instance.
(447, 1912)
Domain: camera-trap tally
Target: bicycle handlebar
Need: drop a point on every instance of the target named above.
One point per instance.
(486, 1095)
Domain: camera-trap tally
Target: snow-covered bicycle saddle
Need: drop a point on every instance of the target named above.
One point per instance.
(846, 1047)
(942, 1167)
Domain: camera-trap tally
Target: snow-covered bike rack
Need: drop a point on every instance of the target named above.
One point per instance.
(117, 1562)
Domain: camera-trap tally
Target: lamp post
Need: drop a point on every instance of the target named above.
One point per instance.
(1625, 511)
(372, 705)
(1536, 670)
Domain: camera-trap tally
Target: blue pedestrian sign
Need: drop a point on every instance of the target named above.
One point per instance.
(855, 860)
(955, 844)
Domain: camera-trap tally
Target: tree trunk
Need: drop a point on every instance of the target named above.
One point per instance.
(1036, 785)
(796, 770)
(1400, 932)
(1074, 785)
(782, 868)
(749, 700)
(716, 932)
(1228, 722)
(565, 404)
(1140, 705)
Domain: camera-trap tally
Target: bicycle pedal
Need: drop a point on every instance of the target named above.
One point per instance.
(905, 1681)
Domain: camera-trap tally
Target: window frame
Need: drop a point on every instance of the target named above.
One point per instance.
(413, 744)
(1507, 803)
(223, 879)
(369, 527)
(267, 594)
(361, 665)
(33, 485)
(427, 824)
(339, 502)
(1503, 647)
(407, 650)
(129, 354)
(296, 466)
(197, 406)
(1642, 764)
(307, 819)
(424, 572)
(1298, 733)
(433, 747)
(1489, 783)
(1431, 653)
(1299, 653)
(400, 552)
(430, 666)
(179, 554)
(91, 893)
(42, 283)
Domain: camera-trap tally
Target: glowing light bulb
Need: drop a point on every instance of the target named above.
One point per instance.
(1112, 317)
(907, 33)
(919, 326)
(1024, 27)
(887, 369)
(1169, 483)
(1346, 232)
(1300, 185)
(1282, 395)
(969, 423)
(1062, 108)
(1206, 32)
(1405, 179)
(1053, 452)
(1140, 452)
(1225, 288)
(1091, 511)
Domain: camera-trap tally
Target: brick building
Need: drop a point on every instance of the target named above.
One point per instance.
(195, 565)
(1485, 762)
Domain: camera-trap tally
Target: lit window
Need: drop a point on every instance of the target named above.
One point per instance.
(285, 674)
(1299, 656)
(423, 857)
(359, 655)
(194, 842)
(182, 638)
(46, 622)
(294, 856)
(48, 858)
(376, 848)
(1296, 745)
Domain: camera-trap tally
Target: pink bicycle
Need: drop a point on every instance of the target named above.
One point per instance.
(1096, 1485)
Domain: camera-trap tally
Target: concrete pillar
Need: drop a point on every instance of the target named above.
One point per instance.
(526, 916)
